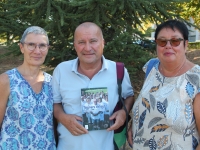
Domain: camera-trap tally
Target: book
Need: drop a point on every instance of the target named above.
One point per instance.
(95, 108)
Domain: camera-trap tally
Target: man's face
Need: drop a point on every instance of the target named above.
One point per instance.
(89, 45)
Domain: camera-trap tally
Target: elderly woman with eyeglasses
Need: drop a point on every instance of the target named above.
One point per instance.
(26, 103)
(166, 114)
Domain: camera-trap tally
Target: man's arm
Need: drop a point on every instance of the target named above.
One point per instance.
(68, 120)
(129, 103)
(120, 116)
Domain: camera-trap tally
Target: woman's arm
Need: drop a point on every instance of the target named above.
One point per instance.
(4, 94)
(196, 107)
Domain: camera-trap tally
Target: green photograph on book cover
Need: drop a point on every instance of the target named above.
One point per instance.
(95, 108)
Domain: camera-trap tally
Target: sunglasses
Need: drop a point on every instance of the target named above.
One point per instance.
(174, 42)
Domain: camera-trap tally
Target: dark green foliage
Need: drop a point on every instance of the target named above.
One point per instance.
(119, 20)
(192, 9)
(148, 32)
(194, 45)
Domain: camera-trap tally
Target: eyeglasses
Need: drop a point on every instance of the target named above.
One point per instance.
(174, 42)
(32, 46)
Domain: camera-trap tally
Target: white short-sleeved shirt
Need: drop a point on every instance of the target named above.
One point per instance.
(67, 84)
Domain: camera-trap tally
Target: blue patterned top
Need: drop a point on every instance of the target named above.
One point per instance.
(28, 120)
(163, 115)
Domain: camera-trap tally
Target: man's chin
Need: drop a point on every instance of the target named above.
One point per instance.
(88, 60)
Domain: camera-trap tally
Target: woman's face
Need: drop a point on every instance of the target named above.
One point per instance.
(169, 53)
(34, 57)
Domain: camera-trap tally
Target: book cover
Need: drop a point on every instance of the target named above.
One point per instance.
(95, 108)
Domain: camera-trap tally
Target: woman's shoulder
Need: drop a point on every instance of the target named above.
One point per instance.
(150, 64)
(195, 69)
(193, 73)
(47, 76)
(4, 79)
(6, 75)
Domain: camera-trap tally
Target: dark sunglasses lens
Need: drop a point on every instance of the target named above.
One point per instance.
(175, 42)
(161, 43)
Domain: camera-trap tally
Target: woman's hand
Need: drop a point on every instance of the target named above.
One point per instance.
(198, 147)
(130, 136)
(196, 106)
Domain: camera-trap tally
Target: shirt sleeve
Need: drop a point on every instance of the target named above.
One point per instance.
(56, 86)
(127, 89)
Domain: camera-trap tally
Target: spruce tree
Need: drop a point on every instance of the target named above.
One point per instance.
(119, 20)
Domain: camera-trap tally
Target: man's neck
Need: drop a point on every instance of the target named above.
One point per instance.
(89, 70)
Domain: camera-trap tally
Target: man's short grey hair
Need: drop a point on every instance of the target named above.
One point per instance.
(35, 30)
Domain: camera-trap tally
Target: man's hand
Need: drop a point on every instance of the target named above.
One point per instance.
(120, 118)
(71, 122)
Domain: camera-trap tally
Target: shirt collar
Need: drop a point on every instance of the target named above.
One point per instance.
(76, 61)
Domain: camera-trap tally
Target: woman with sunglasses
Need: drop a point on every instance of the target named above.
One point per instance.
(166, 114)
(26, 101)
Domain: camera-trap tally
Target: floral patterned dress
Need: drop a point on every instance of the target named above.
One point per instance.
(28, 120)
(163, 116)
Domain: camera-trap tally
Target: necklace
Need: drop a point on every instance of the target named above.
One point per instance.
(177, 71)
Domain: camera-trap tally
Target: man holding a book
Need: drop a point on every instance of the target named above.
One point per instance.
(90, 73)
